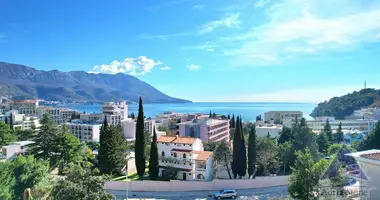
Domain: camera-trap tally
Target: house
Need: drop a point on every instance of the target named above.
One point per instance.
(13, 149)
(183, 158)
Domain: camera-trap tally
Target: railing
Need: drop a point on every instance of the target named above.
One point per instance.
(175, 160)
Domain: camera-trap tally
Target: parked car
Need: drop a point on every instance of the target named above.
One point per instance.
(226, 194)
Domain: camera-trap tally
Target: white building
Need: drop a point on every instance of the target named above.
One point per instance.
(20, 121)
(92, 116)
(58, 115)
(115, 112)
(363, 125)
(271, 129)
(27, 107)
(12, 150)
(185, 157)
(206, 129)
(149, 125)
(129, 129)
(85, 130)
(280, 116)
(369, 162)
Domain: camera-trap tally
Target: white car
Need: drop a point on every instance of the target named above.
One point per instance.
(226, 194)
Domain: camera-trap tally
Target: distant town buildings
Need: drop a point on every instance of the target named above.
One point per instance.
(26, 107)
(271, 129)
(206, 129)
(280, 116)
(85, 130)
(58, 115)
(185, 157)
(115, 112)
(363, 125)
(20, 121)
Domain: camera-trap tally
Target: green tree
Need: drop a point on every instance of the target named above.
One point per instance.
(93, 145)
(221, 155)
(327, 130)
(6, 135)
(81, 183)
(339, 135)
(104, 146)
(334, 148)
(252, 154)
(112, 161)
(323, 143)
(210, 146)
(7, 181)
(287, 153)
(69, 150)
(213, 115)
(286, 134)
(304, 138)
(236, 153)
(267, 150)
(243, 154)
(210, 116)
(305, 176)
(140, 159)
(153, 158)
(22, 135)
(30, 173)
(232, 122)
(373, 140)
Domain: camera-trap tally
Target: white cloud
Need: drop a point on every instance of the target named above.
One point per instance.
(131, 66)
(228, 21)
(297, 27)
(205, 46)
(193, 67)
(261, 3)
(198, 7)
(165, 68)
(160, 37)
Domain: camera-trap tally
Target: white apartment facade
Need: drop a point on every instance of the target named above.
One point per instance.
(115, 112)
(363, 125)
(20, 121)
(129, 129)
(58, 115)
(281, 116)
(13, 149)
(27, 107)
(206, 129)
(185, 157)
(149, 125)
(85, 131)
(271, 129)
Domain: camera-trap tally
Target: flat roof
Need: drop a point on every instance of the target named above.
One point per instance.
(23, 143)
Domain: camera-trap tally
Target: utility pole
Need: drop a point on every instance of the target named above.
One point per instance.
(365, 84)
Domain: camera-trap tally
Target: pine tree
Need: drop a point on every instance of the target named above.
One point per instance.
(228, 117)
(373, 140)
(339, 136)
(140, 142)
(236, 159)
(210, 116)
(323, 143)
(328, 131)
(6, 135)
(243, 154)
(153, 158)
(252, 154)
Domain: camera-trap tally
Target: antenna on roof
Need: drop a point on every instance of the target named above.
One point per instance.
(365, 84)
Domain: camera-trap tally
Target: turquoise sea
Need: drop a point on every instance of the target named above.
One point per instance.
(248, 111)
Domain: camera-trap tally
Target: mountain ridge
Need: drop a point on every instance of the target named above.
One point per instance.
(21, 81)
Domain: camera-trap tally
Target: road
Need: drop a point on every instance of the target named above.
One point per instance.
(258, 193)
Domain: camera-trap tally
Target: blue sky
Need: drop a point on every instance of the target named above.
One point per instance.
(214, 50)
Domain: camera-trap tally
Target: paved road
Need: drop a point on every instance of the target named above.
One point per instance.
(259, 194)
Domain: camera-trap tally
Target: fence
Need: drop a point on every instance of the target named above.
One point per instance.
(217, 184)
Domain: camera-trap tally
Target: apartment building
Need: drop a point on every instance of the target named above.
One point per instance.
(280, 116)
(271, 129)
(149, 125)
(21, 121)
(183, 158)
(362, 125)
(85, 130)
(115, 112)
(26, 107)
(13, 149)
(206, 129)
(58, 115)
(129, 129)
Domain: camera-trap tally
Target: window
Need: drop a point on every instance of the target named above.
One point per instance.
(175, 155)
(184, 155)
(200, 177)
(163, 154)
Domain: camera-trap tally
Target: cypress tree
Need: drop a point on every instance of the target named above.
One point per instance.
(140, 142)
(323, 143)
(328, 131)
(103, 148)
(232, 122)
(243, 153)
(236, 159)
(153, 158)
(213, 115)
(6, 120)
(252, 154)
(339, 134)
(210, 116)
(228, 117)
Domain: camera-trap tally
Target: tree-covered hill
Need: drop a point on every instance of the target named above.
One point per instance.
(341, 107)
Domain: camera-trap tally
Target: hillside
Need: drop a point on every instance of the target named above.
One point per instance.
(343, 106)
(19, 81)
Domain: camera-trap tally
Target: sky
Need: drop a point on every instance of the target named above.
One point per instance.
(204, 50)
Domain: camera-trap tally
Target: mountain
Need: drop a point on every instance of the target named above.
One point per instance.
(19, 81)
(341, 107)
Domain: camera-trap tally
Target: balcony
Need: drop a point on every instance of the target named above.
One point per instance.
(177, 161)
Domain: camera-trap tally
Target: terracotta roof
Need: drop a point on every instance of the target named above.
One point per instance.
(178, 140)
(165, 138)
(373, 156)
(203, 155)
(182, 150)
(176, 168)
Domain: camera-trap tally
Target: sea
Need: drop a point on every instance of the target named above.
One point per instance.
(248, 111)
